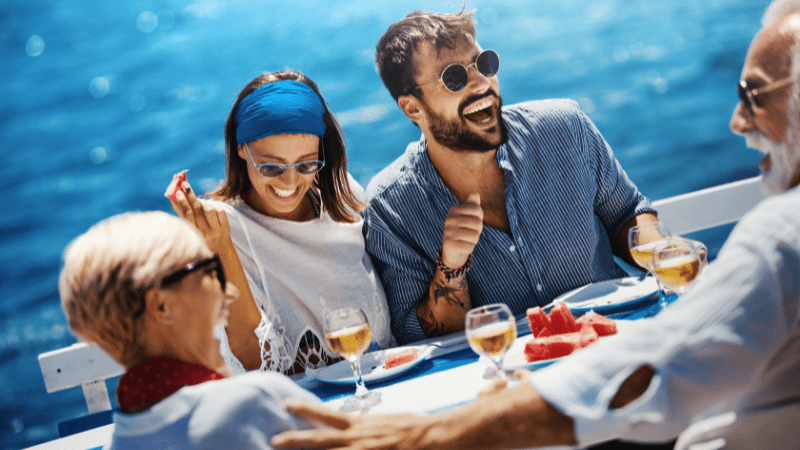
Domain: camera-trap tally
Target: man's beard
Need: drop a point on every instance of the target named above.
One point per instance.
(784, 156)
(455, 135)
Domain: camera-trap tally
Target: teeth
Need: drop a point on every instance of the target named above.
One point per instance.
(285, 193)
(479, 105)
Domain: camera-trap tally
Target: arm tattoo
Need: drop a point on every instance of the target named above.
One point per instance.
(430, 326)
(451, 294)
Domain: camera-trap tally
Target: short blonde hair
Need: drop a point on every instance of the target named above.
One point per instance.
(109, 269)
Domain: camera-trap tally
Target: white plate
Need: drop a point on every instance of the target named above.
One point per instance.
(515, 356)
(609, 296)
(372, 370)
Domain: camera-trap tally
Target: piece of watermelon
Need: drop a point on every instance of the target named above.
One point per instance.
(602, 325)
(561, 320)
(400, 357)
(173, 195)
(554, 346)
(538, 320)
(588, 335)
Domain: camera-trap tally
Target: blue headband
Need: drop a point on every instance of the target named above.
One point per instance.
(280, 107)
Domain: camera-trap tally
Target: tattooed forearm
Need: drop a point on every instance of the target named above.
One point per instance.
(430, 326)
(443, 310)
(451, 294)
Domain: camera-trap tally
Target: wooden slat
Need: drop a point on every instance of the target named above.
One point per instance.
(710, 207)
(75, 365)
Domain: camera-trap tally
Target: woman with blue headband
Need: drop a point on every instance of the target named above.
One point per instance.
(286, 222)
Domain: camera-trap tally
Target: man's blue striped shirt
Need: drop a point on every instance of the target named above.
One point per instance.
(566, 198)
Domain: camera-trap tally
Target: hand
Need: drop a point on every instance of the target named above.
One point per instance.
(398, 431)
(462, 230)
(208, 219)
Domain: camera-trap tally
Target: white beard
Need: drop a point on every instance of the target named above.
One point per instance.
(784, 159)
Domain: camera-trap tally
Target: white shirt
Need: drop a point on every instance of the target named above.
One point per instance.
(731, 343)
(298, 270)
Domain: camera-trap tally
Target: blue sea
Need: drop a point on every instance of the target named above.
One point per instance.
(101, 102)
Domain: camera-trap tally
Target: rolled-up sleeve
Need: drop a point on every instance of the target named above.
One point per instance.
(618, 200)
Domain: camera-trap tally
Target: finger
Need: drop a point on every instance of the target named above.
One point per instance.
(318, 438)
(496, 385)
(200, 219)
(522, 374)
(318, 413)
(184, 210)
(474, 198)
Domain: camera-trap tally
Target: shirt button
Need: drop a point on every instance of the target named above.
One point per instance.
(512, 248)
(538, 287)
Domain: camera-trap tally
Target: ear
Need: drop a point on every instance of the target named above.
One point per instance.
(242, 152)
(411, 108)
(159, 306)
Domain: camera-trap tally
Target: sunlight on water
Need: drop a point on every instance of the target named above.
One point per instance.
(104, 101)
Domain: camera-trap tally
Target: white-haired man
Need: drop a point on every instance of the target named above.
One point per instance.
(731, 343)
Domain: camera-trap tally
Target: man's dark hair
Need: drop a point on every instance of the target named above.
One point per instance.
(394, 54)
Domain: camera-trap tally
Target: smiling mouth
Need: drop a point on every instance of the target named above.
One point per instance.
(284, 193)
(480, 111)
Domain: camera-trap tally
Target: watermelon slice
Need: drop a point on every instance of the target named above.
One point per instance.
(399, 358)
(561, 320)
(602, 325)
(558, 345)
(173, 194)
(538, 320)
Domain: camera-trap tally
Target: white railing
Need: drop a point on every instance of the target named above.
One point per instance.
(88, 366)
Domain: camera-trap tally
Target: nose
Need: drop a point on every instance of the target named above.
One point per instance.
(742, 120)
(290, 176)
(477, 80)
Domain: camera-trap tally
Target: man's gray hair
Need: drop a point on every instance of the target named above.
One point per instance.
(777, 9)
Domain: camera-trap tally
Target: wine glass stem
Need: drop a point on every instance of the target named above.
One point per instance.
(361, 389)
(498, 361)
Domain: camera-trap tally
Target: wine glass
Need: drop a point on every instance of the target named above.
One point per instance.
(643, 239)
(491, 330)
(676, 264)
(347, 334)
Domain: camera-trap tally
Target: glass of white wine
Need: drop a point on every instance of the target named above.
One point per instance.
(491, 330)
(643, 239)
(676, 264)
(347, 334)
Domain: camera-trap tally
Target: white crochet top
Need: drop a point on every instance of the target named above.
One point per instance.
(296, 271)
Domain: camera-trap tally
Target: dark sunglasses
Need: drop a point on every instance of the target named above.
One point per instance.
(748, 95)
(208, 264)
(456, 76)
(272, 170)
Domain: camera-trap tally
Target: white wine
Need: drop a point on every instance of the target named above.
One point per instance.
(643, 254)
(350, 341)
(492, 339)
(678, 272)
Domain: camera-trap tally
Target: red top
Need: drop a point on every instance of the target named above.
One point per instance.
(155, 379)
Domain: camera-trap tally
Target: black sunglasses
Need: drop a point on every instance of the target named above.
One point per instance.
(748, 95)
(456, 76)
(212, 263)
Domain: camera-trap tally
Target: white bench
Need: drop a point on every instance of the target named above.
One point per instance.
(88, 366)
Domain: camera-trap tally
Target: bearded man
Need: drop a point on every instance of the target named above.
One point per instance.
(514, 204)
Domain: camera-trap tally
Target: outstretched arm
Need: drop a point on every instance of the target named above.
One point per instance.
(511, 418)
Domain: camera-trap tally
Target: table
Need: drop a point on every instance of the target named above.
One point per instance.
(426, 389)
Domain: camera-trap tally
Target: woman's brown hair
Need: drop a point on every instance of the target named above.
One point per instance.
(332, 181)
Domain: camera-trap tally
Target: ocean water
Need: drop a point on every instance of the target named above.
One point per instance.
(101, 102)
